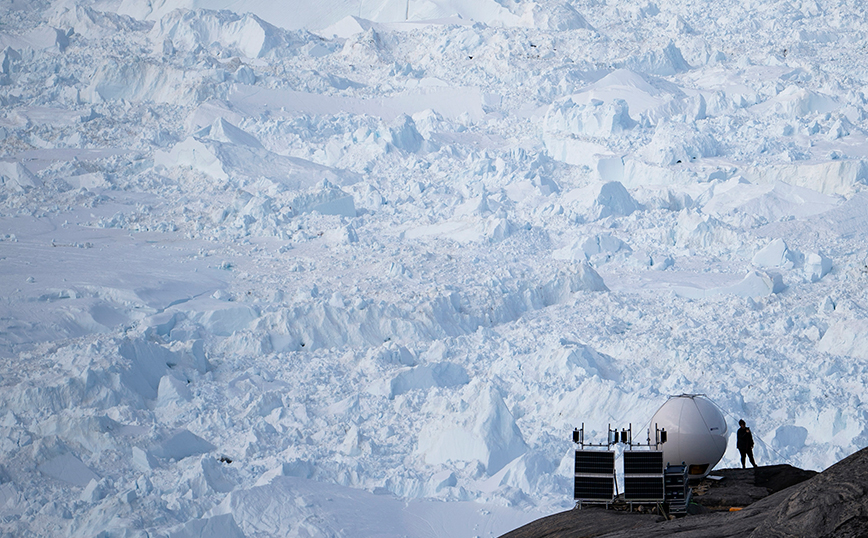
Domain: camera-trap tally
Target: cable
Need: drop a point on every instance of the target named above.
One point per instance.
(775, 451)
(757, 437)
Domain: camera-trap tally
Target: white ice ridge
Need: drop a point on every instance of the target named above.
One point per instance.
(355, 268)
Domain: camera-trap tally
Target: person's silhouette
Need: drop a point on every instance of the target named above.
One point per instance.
(744, 443)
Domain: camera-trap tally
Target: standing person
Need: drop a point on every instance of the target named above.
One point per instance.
(744, 443)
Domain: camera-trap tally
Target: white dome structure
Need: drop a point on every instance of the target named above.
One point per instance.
(696, 431)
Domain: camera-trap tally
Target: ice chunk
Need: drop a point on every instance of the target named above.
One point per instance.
(754, 285)
(841, 176)
(442, 480)
(351, 445)
(790, 437)
(46, 38)
(467, 229)
(600, 200)
(147, 365)
(775, 254)
(239, 156)
(143, 460)
(297, 468)
(195, 154)
(486, 432)
(346, 27)
(94, 491)
(181, 444)
(9, 497)
(846, 337)
(626, 85)
(610, 167)
(223, 526)
(95, 180)
(216, 476)
(139, 80)
(247, 34)
(817, 266)
(7, 59)
(665, 62)
(223, 131)
(522, 473)
(208, 112)
(570, 360)
(450, 102)
(826, 305)
(226, 318)
(443, 374)
(91, 23)
(757, 284)
(343, 206)
(796, 102)
(172, 391)
(90, 433)
(70, 469)
(596, 118)
(342, 235)
(574, 150)
(559, 16)
(679, 143)
(404, 135)
(772, 201)
(9, 420)
(597, 248)
(15, 176)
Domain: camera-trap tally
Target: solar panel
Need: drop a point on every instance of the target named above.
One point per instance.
(643, 462)
(643, 475)
(595, 475)
(643, 488)
(593, 489)
(595, 462)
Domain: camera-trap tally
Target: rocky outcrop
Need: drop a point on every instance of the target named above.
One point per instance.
(834, 503)
(781, 502)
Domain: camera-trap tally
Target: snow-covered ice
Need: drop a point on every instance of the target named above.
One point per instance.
(359, 268)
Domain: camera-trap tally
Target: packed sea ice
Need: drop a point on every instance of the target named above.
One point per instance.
(357, 268)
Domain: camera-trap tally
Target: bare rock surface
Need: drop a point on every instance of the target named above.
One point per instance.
(741, 487)
(778, 501)
(588, 522)
(831, 504)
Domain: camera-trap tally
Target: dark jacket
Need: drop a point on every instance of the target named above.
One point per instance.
(744, 439)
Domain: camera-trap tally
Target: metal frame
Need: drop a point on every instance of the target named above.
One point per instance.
(677, 482)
